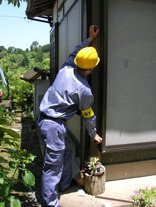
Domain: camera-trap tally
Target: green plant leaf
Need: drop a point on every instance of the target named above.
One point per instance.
(7, 150)
(1, 180)
(10, 132)
(2, 160)
(3, 171)
(23, 165)
(2, 177)
(31, 156)
(2, 204)
(12, 201)
(3, 121)
(11, 142)
(28, 177)
(12, 164)
(4, 190)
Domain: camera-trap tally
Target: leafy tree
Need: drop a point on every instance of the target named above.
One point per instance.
(15, 63)
(45, 64)
(2, 48)
(18, 51)
(10, 49)
(34, 46)
(46, 48)
(3, 54)
(14, 2)
(39, 56)
(25, 61)
(27, 50)
(5, 64)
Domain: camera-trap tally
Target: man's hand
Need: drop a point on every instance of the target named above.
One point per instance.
(92, 33)
(97, 139)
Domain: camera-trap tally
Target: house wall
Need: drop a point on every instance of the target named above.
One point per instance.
(124, 82)
(69, 37)
(125, 108)
(131, 97)
(127, 113)
(61, 8)
(70, 32)
(41, 87)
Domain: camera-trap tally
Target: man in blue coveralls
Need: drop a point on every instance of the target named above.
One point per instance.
(69, 94)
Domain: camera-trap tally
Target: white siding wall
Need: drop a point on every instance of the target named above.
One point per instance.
(131, 101)
(41, 87)
(69, 37)
(61, 7)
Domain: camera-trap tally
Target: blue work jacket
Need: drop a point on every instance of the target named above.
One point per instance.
(70, 93)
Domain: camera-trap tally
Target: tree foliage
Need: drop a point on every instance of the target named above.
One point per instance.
(15, 62)
(14, 2)
(34, 46)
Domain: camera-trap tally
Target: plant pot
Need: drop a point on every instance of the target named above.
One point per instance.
(95, 185)
(89, 168)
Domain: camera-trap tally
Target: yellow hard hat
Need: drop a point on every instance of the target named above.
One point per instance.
(87, 58)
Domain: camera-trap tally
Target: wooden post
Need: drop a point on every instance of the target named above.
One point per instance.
(95, 185)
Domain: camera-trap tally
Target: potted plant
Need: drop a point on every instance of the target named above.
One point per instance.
(94, 177)
(93, 166)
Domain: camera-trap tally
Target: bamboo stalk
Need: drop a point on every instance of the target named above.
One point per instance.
(115, 199)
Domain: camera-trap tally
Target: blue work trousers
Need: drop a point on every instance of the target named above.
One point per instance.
(57, 168)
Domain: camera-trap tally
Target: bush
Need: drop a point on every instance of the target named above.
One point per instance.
(145, 197)
(12, 159)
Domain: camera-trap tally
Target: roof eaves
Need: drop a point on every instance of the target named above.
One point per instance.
(40, 9)
(34, 74)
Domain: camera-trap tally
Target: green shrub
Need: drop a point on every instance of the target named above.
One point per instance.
(12, 159)
(145, 197)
